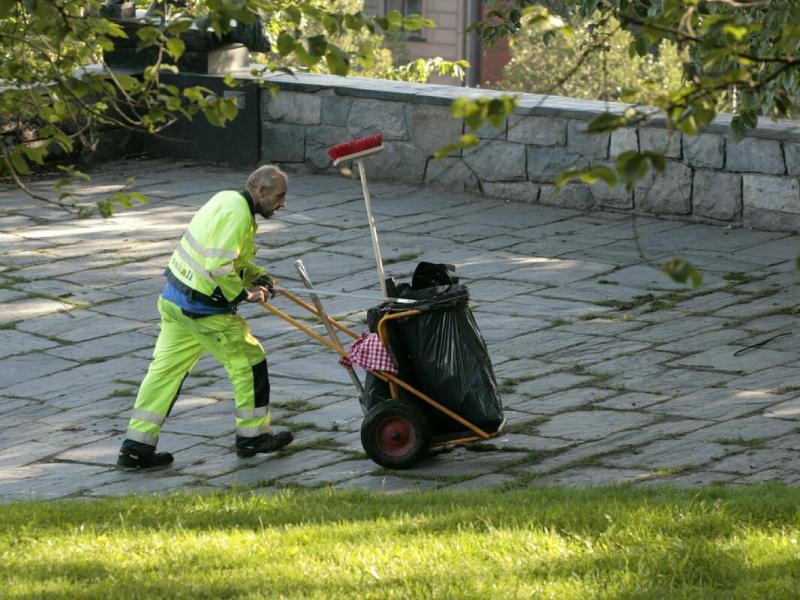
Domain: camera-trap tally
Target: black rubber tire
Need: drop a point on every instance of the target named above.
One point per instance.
(395, 434)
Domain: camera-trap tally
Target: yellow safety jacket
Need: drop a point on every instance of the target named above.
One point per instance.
(213, 261)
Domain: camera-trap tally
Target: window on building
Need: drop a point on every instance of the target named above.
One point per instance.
(404, 7)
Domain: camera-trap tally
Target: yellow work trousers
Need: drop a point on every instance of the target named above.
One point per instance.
(180, 345)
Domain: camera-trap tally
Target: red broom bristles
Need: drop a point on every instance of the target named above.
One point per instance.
(355, 148)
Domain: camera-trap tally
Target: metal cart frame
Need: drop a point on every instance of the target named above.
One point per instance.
(394, 382)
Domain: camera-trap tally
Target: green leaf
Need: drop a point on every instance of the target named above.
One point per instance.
(337, 60)
(460, 107)
(681, 271)
(195, 94)
(175, 47)
(18, 162)
(657, 160)
(394, 21)
(737, 129)
(366, 56)
(106, 208)
(631, 166)
(228, 108)
(604, 173)
(354, 22)
(445, 151)
(285, 43)
(213, 117)
(628, 94)
(475, 119)
(605, 122)
(293, 14)
(317, 45)
(330, 24)
(6, 6)
(564, 177)
(308, 60)
(127, 82)
(468, 140)
(641, 46)
(750, 119)
(122, 199)
(36, 153)
(141, 198)
(735, 32)
(147, 36)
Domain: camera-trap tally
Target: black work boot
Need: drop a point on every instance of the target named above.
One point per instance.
(266, 442)
(135, 456)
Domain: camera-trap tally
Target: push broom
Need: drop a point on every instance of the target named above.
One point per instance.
(358, 150)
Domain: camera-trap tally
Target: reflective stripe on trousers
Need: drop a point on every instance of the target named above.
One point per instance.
(180, 345)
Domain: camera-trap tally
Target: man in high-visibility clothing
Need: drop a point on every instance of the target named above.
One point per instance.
(209, 274)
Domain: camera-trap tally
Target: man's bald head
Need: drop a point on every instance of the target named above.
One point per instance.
(267, 186)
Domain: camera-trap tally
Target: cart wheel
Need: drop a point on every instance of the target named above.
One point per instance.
(395, 434)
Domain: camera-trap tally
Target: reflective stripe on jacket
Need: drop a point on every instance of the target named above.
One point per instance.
(214, 256)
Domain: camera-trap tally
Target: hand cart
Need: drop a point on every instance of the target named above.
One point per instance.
(396, 433)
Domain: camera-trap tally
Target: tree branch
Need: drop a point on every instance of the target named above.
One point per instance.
(30, 192)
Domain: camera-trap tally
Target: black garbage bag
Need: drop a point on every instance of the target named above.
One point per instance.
(441, 353)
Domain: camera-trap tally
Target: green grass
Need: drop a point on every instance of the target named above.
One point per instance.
(740, 441)
(740, 277)
(599, 543)
(508, 385)
(296, 405)
(558, 322)
(401, 258)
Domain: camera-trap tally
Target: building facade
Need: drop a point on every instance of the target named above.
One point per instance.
(449, 39)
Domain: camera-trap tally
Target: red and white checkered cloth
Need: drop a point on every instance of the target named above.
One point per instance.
(370, 354)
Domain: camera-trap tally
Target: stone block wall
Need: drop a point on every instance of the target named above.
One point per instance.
(709, 177)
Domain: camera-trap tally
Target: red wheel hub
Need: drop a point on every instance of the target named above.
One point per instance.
(395, 436)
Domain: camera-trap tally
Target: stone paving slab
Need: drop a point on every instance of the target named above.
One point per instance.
(462, 462)
(735, 360)
(87, 382)
(699, 342)
(744, 429)
(609, 371)
(592, 476)
(765, 476)
(633, 401)
(107, 346)
(671, 454)
(658, 380)
(17, 311)
(56, 480)
(562, 401)
(752, 461)
(785, 410)
(278, 467)
(515, 441)
(716, 403)
(24, 368)
(773, 379)
(326, 475)
(18, 342)
(77, 325)
(582, 426)
(612, 444)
